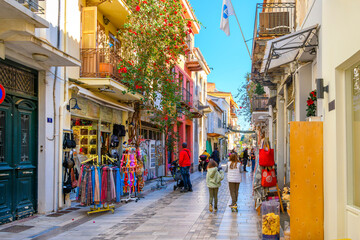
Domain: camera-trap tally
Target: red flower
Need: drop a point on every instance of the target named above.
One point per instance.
(138, 87)
(189, 24)
(313, 94)
(175, 12)
(145, 2)
(166, 118)
(123, 70)
(310, 102)
(137, 8)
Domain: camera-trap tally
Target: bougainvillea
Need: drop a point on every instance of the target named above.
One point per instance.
(311, 104)
(153, 40)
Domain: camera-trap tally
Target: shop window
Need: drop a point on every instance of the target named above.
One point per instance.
(353, 133)
(85, 134)
(150, 134)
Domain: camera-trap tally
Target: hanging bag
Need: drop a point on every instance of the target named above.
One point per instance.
(266, 155)
(268, 178)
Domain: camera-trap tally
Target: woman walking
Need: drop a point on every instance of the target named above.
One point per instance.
(213, 181)
(233, 169)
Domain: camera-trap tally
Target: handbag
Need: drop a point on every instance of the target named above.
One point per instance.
(203, 157)
(268, 178)
(266, 156)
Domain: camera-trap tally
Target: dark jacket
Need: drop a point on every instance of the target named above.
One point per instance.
(215, 156)
(246, 155)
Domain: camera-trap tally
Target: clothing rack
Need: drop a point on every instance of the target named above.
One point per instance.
(98, 207)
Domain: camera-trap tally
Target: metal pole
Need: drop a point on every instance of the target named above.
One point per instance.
(242, 35)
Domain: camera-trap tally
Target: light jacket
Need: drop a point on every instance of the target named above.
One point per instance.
(214, 177)
(233, 175)
(184, 158)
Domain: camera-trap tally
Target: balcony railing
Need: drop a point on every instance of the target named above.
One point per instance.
(274, 19)
(193, 63)
(187, 97)
(32, 5)
(260, 104)
(100, 63)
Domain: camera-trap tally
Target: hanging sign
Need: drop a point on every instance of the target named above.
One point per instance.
(2, 94)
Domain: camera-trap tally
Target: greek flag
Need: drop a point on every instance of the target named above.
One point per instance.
(227, 10)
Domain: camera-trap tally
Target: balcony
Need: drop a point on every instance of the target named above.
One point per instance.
(260, 104)
(274, 19)
(187, 97)
(99, 72)
(25, 13)
(99, 63)
(32, 5)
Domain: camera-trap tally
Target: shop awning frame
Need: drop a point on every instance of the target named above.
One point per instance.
(286, 49)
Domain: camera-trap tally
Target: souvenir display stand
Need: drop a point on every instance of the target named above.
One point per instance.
(129, 167)
(265, 180)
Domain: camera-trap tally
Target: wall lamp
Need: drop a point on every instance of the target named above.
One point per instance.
(320, 88)
(76, 106)
(282, 100)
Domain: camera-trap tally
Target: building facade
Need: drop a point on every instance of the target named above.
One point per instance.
(296, 60)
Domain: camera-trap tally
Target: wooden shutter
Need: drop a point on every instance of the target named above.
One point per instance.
(89, 20)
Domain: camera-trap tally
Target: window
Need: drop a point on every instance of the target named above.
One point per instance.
(219, 123)
(353, 134)
(224, 119)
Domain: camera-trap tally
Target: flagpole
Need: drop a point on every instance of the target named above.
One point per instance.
(242, 34)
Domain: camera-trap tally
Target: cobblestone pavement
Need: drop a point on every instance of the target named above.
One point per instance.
(162, 214)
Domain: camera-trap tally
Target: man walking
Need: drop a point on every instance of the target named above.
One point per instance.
(216, 156)
(185, 163)
(246, 158)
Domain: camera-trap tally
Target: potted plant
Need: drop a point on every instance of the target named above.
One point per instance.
(106, 65)
(311, 107)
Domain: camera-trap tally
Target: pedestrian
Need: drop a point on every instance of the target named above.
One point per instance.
(214, 177)
(245, 158)
(216, 156)
(233, 169)
(185, 163)
(252, 157)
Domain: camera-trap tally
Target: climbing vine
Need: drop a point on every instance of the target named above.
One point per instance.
(153, 41)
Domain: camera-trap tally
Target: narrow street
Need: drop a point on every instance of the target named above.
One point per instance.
(162, 214)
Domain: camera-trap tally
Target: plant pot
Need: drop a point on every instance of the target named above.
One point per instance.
(313, 119)
(106, 69)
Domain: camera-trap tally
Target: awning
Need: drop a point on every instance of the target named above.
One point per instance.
(109, 87)
(215, 135)
(102, 99)
(285, 49)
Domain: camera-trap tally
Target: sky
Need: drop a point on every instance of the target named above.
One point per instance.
(226, 55)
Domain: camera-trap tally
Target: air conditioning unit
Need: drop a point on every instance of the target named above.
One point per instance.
(274, 23)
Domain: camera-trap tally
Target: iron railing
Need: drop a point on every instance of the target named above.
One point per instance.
(187, 97)
(33, 5)
(260, 104)
(100, 63)
(274, 19)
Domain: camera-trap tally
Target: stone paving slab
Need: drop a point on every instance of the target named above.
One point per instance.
(162, 214)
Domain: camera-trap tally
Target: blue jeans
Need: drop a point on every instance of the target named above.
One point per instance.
(252, 165)
(185, 173)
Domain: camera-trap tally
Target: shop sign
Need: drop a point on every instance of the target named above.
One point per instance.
(2, 94)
